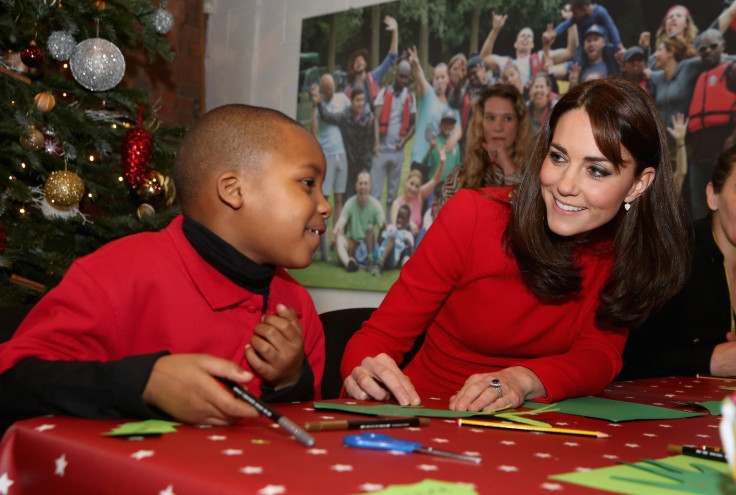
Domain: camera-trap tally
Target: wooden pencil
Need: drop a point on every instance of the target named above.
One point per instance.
(541, 429)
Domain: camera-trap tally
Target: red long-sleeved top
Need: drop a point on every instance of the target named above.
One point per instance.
(467, 292)
(149, 293)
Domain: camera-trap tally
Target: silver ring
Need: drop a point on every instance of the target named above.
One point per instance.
(496, 383)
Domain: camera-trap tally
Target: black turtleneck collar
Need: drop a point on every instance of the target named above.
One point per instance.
(227, 260)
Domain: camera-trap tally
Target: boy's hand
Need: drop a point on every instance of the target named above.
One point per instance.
(276, 351)
(183, 386)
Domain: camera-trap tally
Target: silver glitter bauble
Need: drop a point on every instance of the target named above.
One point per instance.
(61, 45)
(163, 21)
(97, 64)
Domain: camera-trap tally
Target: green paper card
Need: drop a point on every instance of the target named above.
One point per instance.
(396, 410)
(148, 427)
(671, 475)
(614, 410)
(428, 487)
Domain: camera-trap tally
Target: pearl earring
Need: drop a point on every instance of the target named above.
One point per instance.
(627, 206)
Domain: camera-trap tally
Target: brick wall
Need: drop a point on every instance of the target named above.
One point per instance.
(177, 88)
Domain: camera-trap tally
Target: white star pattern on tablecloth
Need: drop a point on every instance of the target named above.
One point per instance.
(571, 444)
(141, 454)
(562, 424)
(632, 445)
(470, 452)
(397, 452)
(251, 470)
(649, 434)
(217, 438)
(670, 395)
(665, 426)
(307, 408)
(615, 425)
(702, 435)
(327, 418)
(371, 487)
(5, 483)
(553, 487)
(427, 467)
(476, 430)
(136, 438)
(45, 427)
(341, 467)
(543, 455)
(317, 451)
(61, 465)
(508, 469)
(272, 490)
(507, 442)
(581, 469)
(440, 440)
(232, 452)
(168, 491)
(203, 426)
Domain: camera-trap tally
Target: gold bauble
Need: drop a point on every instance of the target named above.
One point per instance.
(33, 140)
(157, 189)
(100, 4)
(45, 101)
(145, 210)
(63, 189)
(151, 123)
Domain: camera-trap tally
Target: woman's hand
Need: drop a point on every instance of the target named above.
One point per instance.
(517, 384)
(498, 154)
(379, 378)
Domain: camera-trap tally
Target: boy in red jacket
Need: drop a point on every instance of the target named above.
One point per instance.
(141, 327)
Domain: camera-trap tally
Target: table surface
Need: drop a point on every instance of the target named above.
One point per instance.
(69, 455)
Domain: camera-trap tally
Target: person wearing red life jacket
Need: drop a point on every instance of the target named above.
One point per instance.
(395, 111)
(712, 115)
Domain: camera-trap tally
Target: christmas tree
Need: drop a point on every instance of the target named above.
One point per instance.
(83, 160)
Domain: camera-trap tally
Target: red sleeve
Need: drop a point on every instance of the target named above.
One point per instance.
(426, 279)
(594, 358)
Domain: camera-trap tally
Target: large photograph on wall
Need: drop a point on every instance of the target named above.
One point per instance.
(398, 96)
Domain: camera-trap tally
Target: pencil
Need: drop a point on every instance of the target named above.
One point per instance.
(715, 453)
(706, 377)
(541, 429)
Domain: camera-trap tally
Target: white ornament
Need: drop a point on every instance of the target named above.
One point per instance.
(97, 64)
(61, 45)
(163, 21)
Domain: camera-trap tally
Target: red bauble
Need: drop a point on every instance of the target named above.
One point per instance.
(32, 55)
(2, 238)
(136, 153)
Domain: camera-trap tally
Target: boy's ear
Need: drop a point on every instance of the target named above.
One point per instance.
(230, 189)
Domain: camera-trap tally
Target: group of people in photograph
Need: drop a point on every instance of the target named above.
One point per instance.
(472, 122)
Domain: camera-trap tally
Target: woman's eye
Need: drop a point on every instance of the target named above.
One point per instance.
(556, 157)
(598, 172)
(308, 182)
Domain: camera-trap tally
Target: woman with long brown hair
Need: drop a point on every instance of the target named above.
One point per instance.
(500, 138)
(530, 296)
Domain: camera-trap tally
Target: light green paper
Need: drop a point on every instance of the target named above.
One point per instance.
(614, 410)
(715, 480)
(428, 487)
(147, 427)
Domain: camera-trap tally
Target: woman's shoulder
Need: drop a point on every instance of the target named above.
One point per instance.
(486, 200)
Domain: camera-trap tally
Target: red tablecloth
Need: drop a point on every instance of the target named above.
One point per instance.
(55, 455)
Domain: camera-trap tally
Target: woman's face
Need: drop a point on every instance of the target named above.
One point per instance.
(662, 55)
(723, 206)
(581, 188)
(676, 21)
(539, 92)
(412, 186)
(457, 72)
(440, 80)
(500, 122)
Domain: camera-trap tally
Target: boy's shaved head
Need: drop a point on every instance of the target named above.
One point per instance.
(226, 138)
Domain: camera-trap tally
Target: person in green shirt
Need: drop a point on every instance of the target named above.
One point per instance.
(354, 233)
(452, 158)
